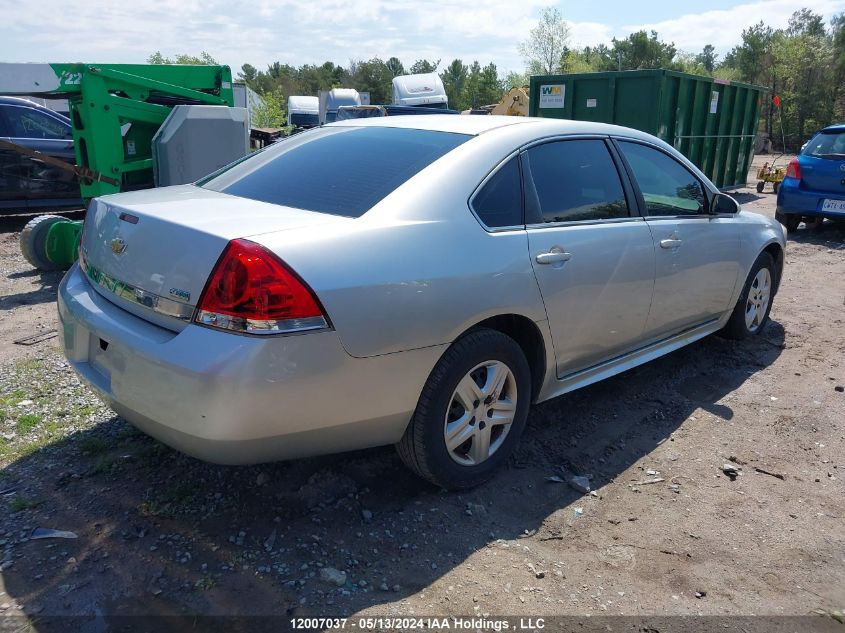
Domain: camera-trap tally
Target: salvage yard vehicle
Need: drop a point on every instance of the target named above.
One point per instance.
(417, 281)
(814, 186)
(25, 181)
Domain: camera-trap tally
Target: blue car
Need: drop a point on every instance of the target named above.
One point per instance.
(814, 186)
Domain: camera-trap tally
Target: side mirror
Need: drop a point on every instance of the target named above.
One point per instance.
(722, 203)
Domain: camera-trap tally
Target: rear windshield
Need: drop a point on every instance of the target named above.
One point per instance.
(337, 170)
(827, 145)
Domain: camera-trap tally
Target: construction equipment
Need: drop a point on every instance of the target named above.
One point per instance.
(772, 174)
(115, 110)
(514, 103)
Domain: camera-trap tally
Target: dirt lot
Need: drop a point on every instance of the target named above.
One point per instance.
(667, 532)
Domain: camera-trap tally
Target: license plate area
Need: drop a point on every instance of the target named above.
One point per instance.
(833, 205)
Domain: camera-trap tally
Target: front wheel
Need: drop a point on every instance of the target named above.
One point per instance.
(471, 411)
(755, 302)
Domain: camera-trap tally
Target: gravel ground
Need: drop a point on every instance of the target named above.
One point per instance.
(664, 530)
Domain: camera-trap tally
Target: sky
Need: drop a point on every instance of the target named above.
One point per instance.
(313, 31)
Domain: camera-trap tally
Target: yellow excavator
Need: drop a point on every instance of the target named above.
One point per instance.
(514, 103)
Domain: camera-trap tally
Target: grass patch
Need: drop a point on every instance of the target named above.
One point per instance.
(19, 504)
(205, 583)
(27, 422)
(30, 364)
(172, 501)
(92, 445)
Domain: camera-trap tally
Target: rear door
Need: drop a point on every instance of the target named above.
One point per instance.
(40, 131)
(697, 254)
(593, 257)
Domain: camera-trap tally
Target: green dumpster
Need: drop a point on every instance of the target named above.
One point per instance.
(712, 122)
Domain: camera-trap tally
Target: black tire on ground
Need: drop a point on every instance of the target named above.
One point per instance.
(423, 447)
(33, 241)
(776, 186)
(736, 328)
(760, 186)
(789, 220)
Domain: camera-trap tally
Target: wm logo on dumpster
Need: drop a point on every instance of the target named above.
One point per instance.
(552, 96)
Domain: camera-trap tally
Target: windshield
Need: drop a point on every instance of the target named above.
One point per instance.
(826, 145)
(337, 170)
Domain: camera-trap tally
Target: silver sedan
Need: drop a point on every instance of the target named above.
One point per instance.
(417, 281)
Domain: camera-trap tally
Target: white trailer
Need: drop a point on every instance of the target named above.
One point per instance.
(303, 112)
(425, 90)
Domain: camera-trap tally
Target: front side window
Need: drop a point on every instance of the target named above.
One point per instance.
(499, 202)
(668, 187)
(30, 123)
(569, 181)
(338, 170)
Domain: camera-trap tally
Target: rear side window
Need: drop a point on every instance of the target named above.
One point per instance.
(668, 187)
(571, 181)
(30, 123)
(826, 145)
(337, 170)
(499, 202)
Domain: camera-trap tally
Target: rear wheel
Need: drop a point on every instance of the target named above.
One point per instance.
(760, 186)
(776, 186)
(33, 241)
(789, 220)
(755, 302)
(471, 412)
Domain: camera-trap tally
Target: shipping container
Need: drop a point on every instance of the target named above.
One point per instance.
(712, 122)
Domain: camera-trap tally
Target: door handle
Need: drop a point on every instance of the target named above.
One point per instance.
(553, 257)
(672, 242)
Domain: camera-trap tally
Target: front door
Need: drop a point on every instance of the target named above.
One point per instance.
(697, 254)
(593, 259)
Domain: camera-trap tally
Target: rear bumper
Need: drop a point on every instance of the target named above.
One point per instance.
(792, 199)
(234, 399)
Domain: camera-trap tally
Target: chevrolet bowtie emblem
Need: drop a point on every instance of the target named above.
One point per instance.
(118, 245)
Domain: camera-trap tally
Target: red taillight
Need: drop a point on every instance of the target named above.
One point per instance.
(793, 170)
(253, 291)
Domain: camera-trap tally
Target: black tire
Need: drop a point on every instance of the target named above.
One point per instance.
(776, 186)
(423, 447)
(33, 241)
(760, 186)
(789, 220)
(736, 327)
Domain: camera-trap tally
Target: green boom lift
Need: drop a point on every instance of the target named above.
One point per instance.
(115, 110)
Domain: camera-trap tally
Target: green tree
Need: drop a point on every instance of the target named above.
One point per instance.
(454, 78)
(272, 112)
(546, 42)
(248, 73)
(707, 58)
(643, 50)
(490, 88)
(204, 59)
(373, 76)
(423, 66)
(395, 67)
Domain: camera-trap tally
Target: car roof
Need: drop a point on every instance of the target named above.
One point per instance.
(19, 101)
(836, 127)
(476, 124)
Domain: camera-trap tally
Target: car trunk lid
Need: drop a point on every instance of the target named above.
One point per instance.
(151, 252)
